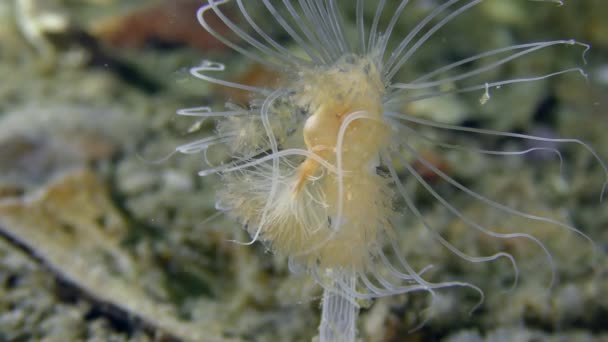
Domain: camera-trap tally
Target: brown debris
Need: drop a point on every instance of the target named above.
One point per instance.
(169, 22)
(435, 160)
(257, 76)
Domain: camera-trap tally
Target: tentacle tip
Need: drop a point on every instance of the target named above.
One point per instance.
(193, 111)
(477, 306)
(204, 173)
(559, 3)
(585, 51)
(603, 192)
(552, 282)
(241, 243)
(207, 65)
(418, 326)
(156, 161)
(515, 282)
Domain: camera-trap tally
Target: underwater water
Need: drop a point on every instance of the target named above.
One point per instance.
(103, 238)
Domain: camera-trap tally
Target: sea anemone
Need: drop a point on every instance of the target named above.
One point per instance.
(319, 160)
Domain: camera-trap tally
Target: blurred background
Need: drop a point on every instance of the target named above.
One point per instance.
(104, 239)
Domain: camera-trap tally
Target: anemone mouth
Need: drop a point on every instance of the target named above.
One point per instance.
(295, 186)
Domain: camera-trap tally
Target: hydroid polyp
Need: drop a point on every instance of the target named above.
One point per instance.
(318, 165)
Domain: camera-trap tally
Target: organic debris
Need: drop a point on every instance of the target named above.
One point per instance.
(168, 23)
(74, 229)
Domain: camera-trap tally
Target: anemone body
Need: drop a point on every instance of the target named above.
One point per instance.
(304, 171)
(308, 198)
